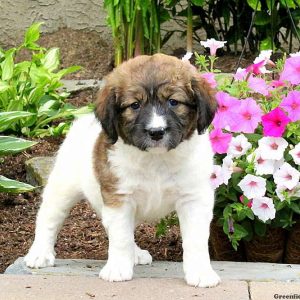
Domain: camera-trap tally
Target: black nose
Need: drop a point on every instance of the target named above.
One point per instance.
(156, 133)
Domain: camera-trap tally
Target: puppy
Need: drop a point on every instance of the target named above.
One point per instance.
(151, 155)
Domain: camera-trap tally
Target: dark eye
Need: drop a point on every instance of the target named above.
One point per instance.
(135, 105)
(173, 102)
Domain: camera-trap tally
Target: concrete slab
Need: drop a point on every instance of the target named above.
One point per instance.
(227, 270)
(274, 290)
(16, 287)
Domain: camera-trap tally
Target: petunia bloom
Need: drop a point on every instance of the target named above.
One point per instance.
(210, 78)
(227, 112)
(238, 146)
(248, 117)
(291, 70)
(282, 192)
(253, 186)
(291, 104)
(240, 74)
(287, 176)
(219, 140)
(258, 85)
(265, 56)
(263, 208)
(213, 45)
(272, 147)
(255, 68)
(274, 122)
(227, 168)
(262, 166)
(295, 153)
(216, 178)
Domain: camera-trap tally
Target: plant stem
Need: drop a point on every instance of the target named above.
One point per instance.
(189, 33)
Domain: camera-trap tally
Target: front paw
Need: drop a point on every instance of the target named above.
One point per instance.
(205, 279)
(117, 271)
(38, 257)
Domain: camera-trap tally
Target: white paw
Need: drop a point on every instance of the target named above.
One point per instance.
(117, 271)
(142, 257)
(204, 279)
(37, 257)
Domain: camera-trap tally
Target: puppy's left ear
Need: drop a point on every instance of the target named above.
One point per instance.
(205, 100)
(106, 112)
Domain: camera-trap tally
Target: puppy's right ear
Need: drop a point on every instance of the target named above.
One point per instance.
(106, 112)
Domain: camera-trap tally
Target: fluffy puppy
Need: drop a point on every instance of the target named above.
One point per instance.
(151, 155)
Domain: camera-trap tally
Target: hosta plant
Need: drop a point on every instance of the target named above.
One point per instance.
(12, 145)
(29, 92)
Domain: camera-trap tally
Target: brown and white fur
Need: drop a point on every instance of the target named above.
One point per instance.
(151, 155)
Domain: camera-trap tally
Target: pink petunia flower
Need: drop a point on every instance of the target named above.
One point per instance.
(249, 115)
(258, 85)
(216, 178)
(219, 140)
(240, 74)
(263, 208)
(272, 147)
(255, 68)
(291, 70)
(253, 186)
(295, 153)
(274, 122)
(210, 78)
(291, 104)
(213, 45)
(287, 176)
(227, 110)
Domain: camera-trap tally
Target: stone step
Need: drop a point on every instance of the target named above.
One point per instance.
(162, 269)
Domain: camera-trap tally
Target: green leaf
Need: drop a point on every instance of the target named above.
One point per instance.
(12, 145)
(4, 86)
(262, 18)
(198, 2)
(51, 59)
(67, 71)
(32, 33)
(7, 67)
(253, 3)
(260, 228)
(7, 118)
(266, 44)
(12, 186)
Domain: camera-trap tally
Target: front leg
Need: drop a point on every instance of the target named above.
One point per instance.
(119, 225)
(195, 214)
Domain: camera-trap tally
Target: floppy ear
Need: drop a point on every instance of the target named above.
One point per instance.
(204, 97)
(106, 112)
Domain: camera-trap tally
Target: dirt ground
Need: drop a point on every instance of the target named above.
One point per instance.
(82, 235)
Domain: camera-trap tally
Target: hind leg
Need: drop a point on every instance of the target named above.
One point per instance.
(55, 207)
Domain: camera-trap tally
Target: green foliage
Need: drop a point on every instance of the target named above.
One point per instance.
(136, 26)
(12, 145)
(29, 98)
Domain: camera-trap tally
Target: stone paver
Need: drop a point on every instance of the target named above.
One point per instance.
(274, 290)
(73, 86)
(163, 269)
(18, 287)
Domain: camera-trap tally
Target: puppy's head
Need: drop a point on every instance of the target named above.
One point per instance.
(155, 101)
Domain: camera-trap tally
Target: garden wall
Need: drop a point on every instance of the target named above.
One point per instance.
(79, 15)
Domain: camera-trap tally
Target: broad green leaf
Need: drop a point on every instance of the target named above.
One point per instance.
(253, 3)
(7, 118)
(262, 18)
(266, 44)
(67, 71)
(32, 33)
(7, 67)
(12, 186)
(12, 145)
(4, 86)
(51, 59)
